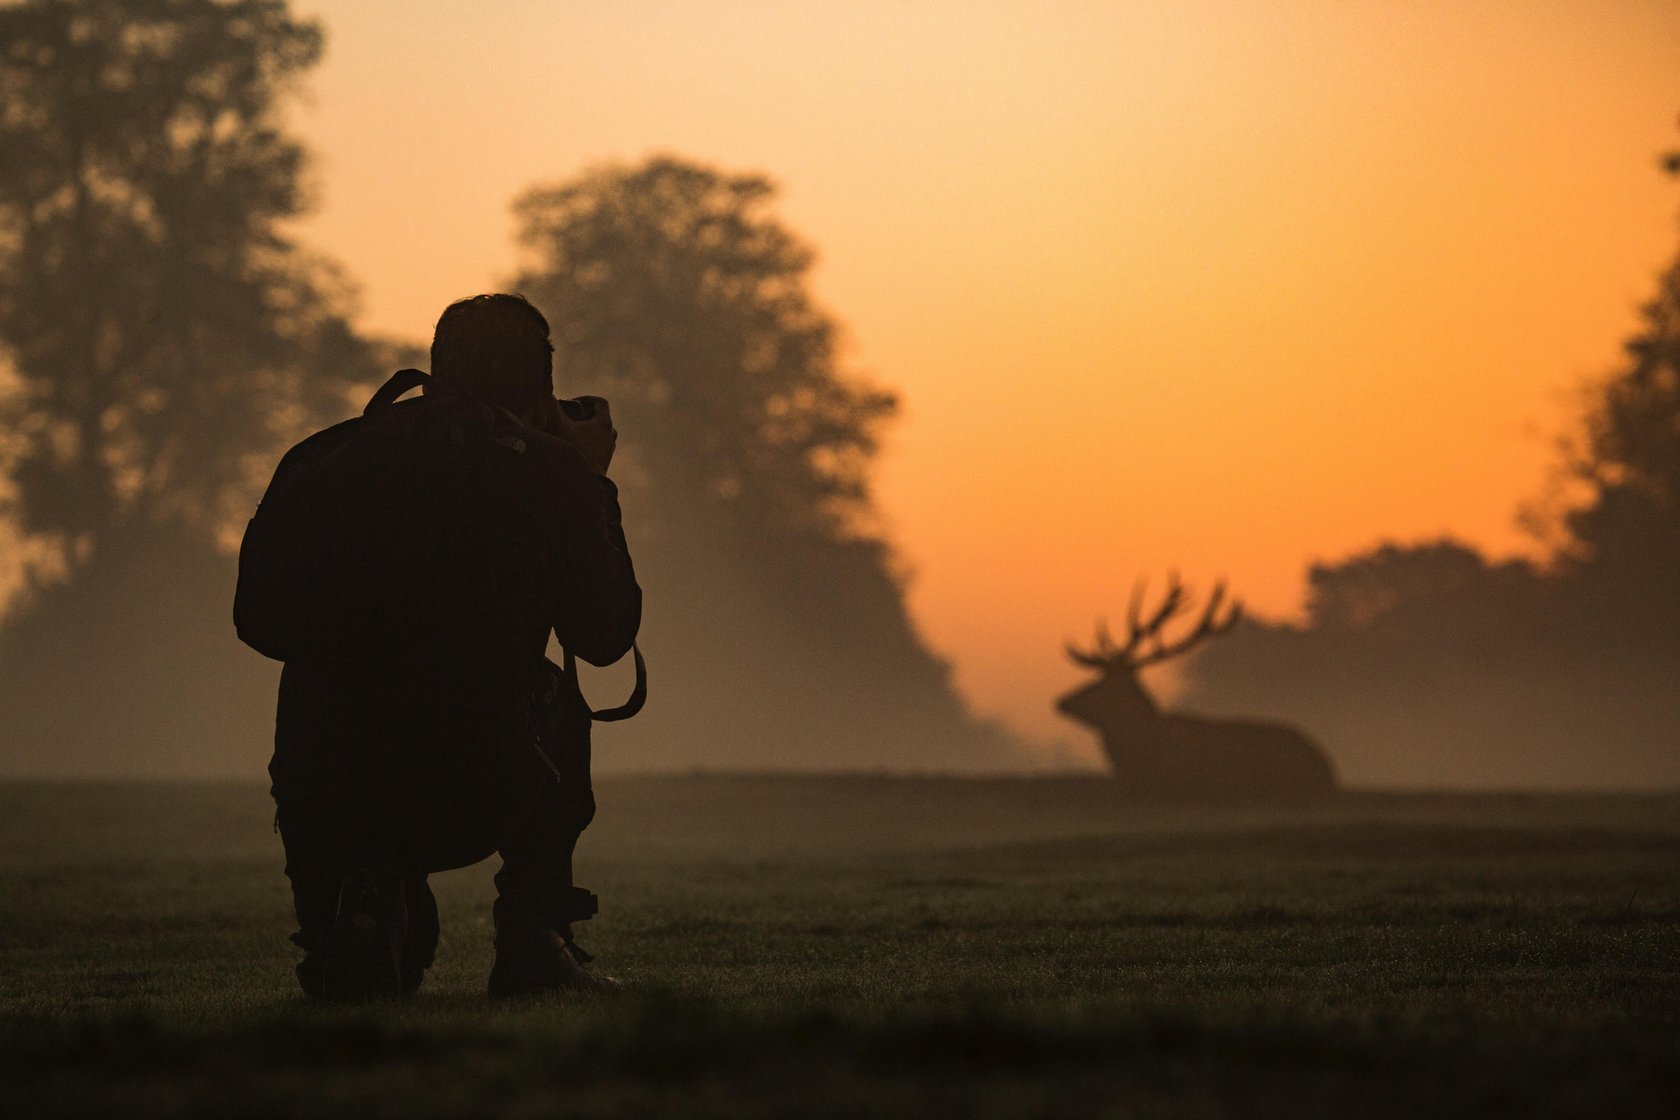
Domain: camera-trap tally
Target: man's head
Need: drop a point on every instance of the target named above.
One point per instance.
(496, 348)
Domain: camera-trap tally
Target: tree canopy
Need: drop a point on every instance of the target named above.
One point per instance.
(163, 331)
(1625, 538)
(677, 293)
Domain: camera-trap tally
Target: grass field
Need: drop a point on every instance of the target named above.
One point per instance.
(882, 947)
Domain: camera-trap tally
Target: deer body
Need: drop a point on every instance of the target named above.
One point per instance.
(1172, 755)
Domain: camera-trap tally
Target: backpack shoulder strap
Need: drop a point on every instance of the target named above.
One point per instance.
(398, 384)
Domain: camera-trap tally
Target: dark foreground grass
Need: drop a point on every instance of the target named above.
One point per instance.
(882, 947)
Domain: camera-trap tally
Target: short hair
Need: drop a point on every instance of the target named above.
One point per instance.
(495, 347)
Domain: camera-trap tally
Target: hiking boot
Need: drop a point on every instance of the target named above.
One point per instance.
(533, 959)
(364, 959)
(419, 942)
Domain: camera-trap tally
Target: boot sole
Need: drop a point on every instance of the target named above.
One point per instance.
(550, 972)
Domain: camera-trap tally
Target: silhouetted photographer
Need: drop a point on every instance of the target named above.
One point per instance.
(408, 566)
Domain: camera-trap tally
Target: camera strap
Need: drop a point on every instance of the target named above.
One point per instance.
(638, 694)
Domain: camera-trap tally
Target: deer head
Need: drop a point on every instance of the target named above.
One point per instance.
(1116, 702)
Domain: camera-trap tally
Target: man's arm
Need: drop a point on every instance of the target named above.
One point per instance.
(596, 604)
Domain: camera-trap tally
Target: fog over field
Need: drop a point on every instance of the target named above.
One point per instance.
(885, 946)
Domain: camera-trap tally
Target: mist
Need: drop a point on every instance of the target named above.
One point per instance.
(1427, 665)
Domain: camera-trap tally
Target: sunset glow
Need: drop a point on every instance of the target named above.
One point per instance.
(1227, 286)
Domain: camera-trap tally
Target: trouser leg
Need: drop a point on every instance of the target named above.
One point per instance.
(535, 881)
(537, 902)
(536, 873)
(315, 864)
(318, 851)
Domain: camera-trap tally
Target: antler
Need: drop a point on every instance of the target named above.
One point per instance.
(1172, 605)
(1210, 625)
(1101, 656)
(1141, 631)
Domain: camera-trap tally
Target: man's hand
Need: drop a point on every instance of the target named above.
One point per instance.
(595, 437)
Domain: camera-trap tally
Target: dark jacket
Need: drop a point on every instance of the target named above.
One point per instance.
(521, 537)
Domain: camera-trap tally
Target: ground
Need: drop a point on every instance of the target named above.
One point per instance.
(875, 946)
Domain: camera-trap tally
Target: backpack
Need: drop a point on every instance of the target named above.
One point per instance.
(295, 595)
(349, 535)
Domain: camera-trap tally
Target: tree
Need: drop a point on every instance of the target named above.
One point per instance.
(1624, 540)
(677, 289)
(1392, 584)
(673, 290)
(164, 332)
(164, 338)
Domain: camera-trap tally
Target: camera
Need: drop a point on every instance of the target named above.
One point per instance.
(577, 409)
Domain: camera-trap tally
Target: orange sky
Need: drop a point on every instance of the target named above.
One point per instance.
(1227, 285)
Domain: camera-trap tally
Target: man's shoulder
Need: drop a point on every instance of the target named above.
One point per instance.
(547, 459)
(446, 428)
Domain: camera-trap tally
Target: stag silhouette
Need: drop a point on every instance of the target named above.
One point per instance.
(1175, 756)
